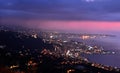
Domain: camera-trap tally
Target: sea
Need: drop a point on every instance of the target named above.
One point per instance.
(109, 44)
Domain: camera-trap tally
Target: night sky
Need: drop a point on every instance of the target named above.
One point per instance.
(69, 15)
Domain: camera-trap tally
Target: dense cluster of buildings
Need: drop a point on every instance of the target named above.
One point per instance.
(56, 49)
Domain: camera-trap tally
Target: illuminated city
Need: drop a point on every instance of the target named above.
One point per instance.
(56, 49)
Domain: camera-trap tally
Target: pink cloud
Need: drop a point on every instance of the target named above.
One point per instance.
(79, 25)
(69, 25)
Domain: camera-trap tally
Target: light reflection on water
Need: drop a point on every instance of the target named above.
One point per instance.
(108, 43)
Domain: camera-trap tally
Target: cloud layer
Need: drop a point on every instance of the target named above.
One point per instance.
(95, 10)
